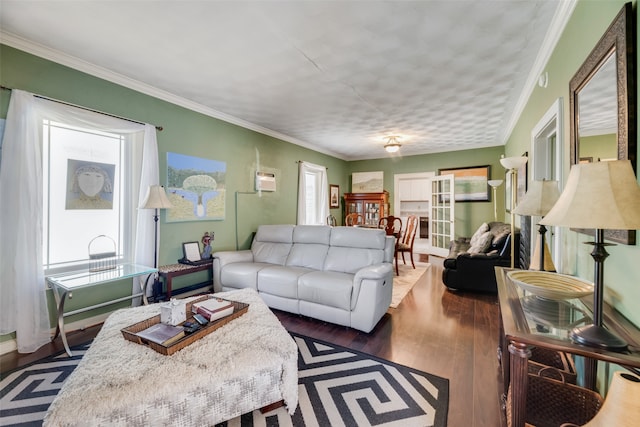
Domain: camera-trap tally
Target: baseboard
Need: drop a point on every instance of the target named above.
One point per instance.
(11, 345)
(8, 346)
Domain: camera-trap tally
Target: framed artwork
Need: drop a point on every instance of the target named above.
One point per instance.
(334, 196)
(521, 187)
(191, 251)
(367, 182)
(196, 188)
(471, 183)
(89, 185)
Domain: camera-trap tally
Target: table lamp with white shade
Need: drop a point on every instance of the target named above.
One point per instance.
(512, 164)
(538, 201)
(600, 196)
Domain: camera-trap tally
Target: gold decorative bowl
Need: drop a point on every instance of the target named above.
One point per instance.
(549, 285)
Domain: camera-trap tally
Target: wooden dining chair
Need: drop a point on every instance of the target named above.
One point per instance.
(405, 243)
(331, 220)
(353, 219)
(392, 225)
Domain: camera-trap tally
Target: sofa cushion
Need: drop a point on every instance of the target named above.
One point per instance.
(310, 245)
(272, 244)
(479, 232)
(350, 260)
(307, 255)
(481, 244)
(312, 234)
(353, 248)
(276, 233)
(280, 281)
(328, 288)
(242, 274)
(358, 237)
(500, 231)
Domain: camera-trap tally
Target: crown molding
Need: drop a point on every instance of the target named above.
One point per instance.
(556, 28)
(70, 61)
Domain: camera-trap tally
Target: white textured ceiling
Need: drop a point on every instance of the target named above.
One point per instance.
(337, 76)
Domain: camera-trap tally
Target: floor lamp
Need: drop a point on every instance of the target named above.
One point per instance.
(538, 201)
(512, 164)
(494, 184)
(600, 196)
(156, 198)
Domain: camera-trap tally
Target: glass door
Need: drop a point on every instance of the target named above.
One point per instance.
(441, 220)
(371, 213)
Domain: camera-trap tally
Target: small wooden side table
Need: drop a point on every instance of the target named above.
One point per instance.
(168, 272)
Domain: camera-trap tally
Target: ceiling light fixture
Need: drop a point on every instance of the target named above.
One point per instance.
(392, 144)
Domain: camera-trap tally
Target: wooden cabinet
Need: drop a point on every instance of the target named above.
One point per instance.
(372, 206)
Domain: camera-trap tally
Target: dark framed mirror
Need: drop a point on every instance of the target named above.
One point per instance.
(602, 97)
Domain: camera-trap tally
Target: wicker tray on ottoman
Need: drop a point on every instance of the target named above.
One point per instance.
(130, 332)
(550, 402)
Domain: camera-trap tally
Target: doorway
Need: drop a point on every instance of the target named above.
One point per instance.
(546, 163)
(412, 192)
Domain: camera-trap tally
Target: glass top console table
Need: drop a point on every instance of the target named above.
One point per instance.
(64, 284)
(529, 321)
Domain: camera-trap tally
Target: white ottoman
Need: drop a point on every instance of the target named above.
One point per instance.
(247, 364)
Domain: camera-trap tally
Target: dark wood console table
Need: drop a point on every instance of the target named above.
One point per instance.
(528, 321)
(168, 272)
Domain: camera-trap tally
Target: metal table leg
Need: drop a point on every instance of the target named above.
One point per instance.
(60, 327)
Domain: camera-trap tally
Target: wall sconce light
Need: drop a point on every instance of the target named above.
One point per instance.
(392, 144)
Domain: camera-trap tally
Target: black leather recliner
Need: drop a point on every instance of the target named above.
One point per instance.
(475, 271)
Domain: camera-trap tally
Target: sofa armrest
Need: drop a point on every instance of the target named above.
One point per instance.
(227, 257)
(376, 273)
(222, 258)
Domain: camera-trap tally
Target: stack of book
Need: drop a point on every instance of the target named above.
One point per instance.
(162, 333)
(213, 308)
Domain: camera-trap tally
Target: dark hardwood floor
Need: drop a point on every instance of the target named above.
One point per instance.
(453, 335)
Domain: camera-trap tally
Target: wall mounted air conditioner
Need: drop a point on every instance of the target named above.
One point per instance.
(265, 181)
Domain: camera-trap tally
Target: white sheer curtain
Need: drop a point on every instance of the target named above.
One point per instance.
(23, 304)
(149, 175)
(313, 194)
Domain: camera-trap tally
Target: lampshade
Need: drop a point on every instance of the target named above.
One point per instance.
(156, 198)
(513, 162)
(494, 182)
(621, 406)
(392, 144)
(540, 198)
(602, 195)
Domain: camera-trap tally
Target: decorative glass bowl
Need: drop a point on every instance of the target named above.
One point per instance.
(549, 285)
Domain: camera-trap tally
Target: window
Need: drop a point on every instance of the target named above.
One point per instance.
(84, 194)
(313, 194)
(34, 183)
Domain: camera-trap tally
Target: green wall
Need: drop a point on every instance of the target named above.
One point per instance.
(589, 21)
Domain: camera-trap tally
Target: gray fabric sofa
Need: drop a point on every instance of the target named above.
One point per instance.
(342, 275)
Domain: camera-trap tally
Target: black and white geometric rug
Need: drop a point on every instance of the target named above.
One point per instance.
(337, 387)
(26, 393)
